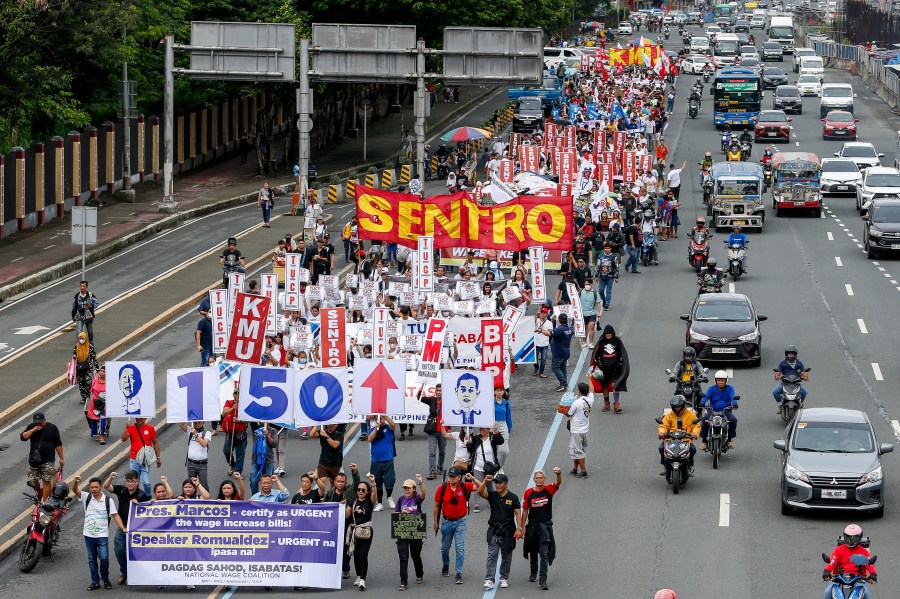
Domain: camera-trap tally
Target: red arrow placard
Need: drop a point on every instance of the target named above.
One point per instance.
(383, 387)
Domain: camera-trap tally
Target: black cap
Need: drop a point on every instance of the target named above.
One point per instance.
(501, 478)
(38, 417)
(454, 472)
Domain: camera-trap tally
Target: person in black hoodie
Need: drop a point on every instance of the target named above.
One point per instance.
(611, 359)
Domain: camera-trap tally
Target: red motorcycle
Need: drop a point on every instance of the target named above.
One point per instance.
(43, 532)
(699, 249)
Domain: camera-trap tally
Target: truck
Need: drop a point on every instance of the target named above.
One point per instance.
(737, 196)
(781, 30)
(549, 92)
(528, 115)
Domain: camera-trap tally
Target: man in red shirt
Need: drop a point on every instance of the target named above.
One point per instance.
(840, 559)
(451, 501)
(141, 435)
(537, 509)
(661, 150)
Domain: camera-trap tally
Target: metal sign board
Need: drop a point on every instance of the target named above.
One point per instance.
(84, 219)
(363, 53)
(487, 55)
(243, 51)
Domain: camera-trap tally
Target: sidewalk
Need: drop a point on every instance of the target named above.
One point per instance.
(37, 256)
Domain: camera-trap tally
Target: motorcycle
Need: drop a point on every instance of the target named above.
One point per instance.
(709, 284)
(791, 401)
(726, 141)
(699, 250)
(693, 108)
(666, 34)
(43, 532)
(734, 153)
(767, 175)
(690, 388)
(736, 255)
(746, 150)
(707, 189)
(443, 167)
(227, 270)
(847, 585)
(717, 435)
(705, 76)
(647, 248)
(676, 456)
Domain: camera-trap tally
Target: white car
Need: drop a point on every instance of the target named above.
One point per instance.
(699, 44)
(860, 152)
(839, 175)
(749, 51)
(624, 29)
(694, 64)
(757, 22)
(800, 53)
(809, 85)
(877, 180)
(812, 65)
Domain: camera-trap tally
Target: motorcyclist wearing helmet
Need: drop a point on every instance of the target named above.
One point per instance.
(746, 138)
(739, 239)
(700, 225)
(790, 366)
(733, 153)
(711, 278)
(231, 258)
(707, 162)
(688, 367)
(670, 419)
(849, 545)
(718, 397)
(767, 156)
(665, 594)
(695, 96)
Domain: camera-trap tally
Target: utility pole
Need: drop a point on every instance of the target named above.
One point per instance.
(304, 123)
(168, 203)
(420, 110)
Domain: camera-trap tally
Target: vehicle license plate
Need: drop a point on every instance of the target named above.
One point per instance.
(724, 350)
(895, 246)
(740, 222)
(799, 203)
(840, 132)
(770, 134)
(834, 494)
(843, 187)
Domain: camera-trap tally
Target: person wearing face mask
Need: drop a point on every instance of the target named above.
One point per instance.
(203, 337)
(392, 347)
(591, 309)
(85, 365)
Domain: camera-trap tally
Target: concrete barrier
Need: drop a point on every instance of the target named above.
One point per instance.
(387, 178)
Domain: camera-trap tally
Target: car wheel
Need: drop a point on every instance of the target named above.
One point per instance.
(870, 253)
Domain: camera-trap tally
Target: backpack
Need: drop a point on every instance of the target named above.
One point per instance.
(443, 490)
(87, 502)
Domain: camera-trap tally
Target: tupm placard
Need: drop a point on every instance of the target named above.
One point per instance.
(424, 277)
(292, 281)
(218, 310)
(538, 280)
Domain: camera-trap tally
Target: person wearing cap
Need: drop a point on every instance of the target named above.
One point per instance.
(562, 291)
(543, 328)
(43, 438)
(125, 495)
(451, 502)
(410, 503)
(560, 341)
(503, 527)
(235, 446)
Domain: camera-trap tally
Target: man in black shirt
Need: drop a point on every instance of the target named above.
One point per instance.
(306, 254)
(232, 256)
(582, 273)
(502, 527)
(44, 439)
(203, 337)
(580, 247)
(321, 261)
(125, 495)
(307, 494)
(331, 455)
(537, 510)
(562, 292)
(633, 245)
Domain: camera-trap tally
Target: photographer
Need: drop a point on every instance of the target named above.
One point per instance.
(483, 449)
(197, 451)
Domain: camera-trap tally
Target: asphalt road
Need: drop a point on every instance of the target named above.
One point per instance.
(621, 532)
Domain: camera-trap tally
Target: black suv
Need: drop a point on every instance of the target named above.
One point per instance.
(528, 115)
(882, 226)
(787, 98)
(771, 51)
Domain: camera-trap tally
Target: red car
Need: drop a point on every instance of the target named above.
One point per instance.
(772, 125)
(839, 124)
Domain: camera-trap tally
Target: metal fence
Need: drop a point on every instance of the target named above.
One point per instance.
(883, 78)
(869, 23)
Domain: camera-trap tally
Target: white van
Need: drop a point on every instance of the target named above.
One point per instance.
(624, 28)
(727, 48)
(553, 56)
(699, 45)
(836, 96)
(812, 65)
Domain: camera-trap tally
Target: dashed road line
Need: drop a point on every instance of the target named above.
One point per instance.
(830, 236)
(837, 260)
(877, 370)
(724, 509)
(849, 289)
(730, 287)
(862, 326)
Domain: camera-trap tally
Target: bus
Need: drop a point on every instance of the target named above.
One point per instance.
(725, 10)
(737, 95)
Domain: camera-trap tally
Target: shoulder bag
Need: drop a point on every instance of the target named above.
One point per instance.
(361, 531)
(146, 455)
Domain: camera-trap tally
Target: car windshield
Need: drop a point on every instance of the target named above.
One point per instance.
(811, 63)
(837, 92)
(700, 60)
(772, 117)
(834, 437)
(883, 180)
(839, 166)
(787, 91)
(712, 310)
(749, 62)
(772, 46)
(801, 53)
(739, 188)
(886, 214)
(529, 104)
(859, 152)
(773, 72)
(840, 117)
(808, 79)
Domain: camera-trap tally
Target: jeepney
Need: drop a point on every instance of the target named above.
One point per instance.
(795, 182)
(737, 196)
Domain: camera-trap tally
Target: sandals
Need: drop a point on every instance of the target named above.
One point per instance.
(617, 408)
(431, 476)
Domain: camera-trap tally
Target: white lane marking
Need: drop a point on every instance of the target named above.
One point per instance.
(729, 372)
(887, 274)
(109, 222)
(893, 282)
(875, 263)
(17, 259)
(860, 246)
(837, 220)
(823, 216)
(896, 426)
(877, 370)
(50, 246)
(830, 236)
(881, 268)
(862, 326)
(854, 239)
(730, 287)
(837, 260)
(849, 289)
(724, 509)
(797, 143)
